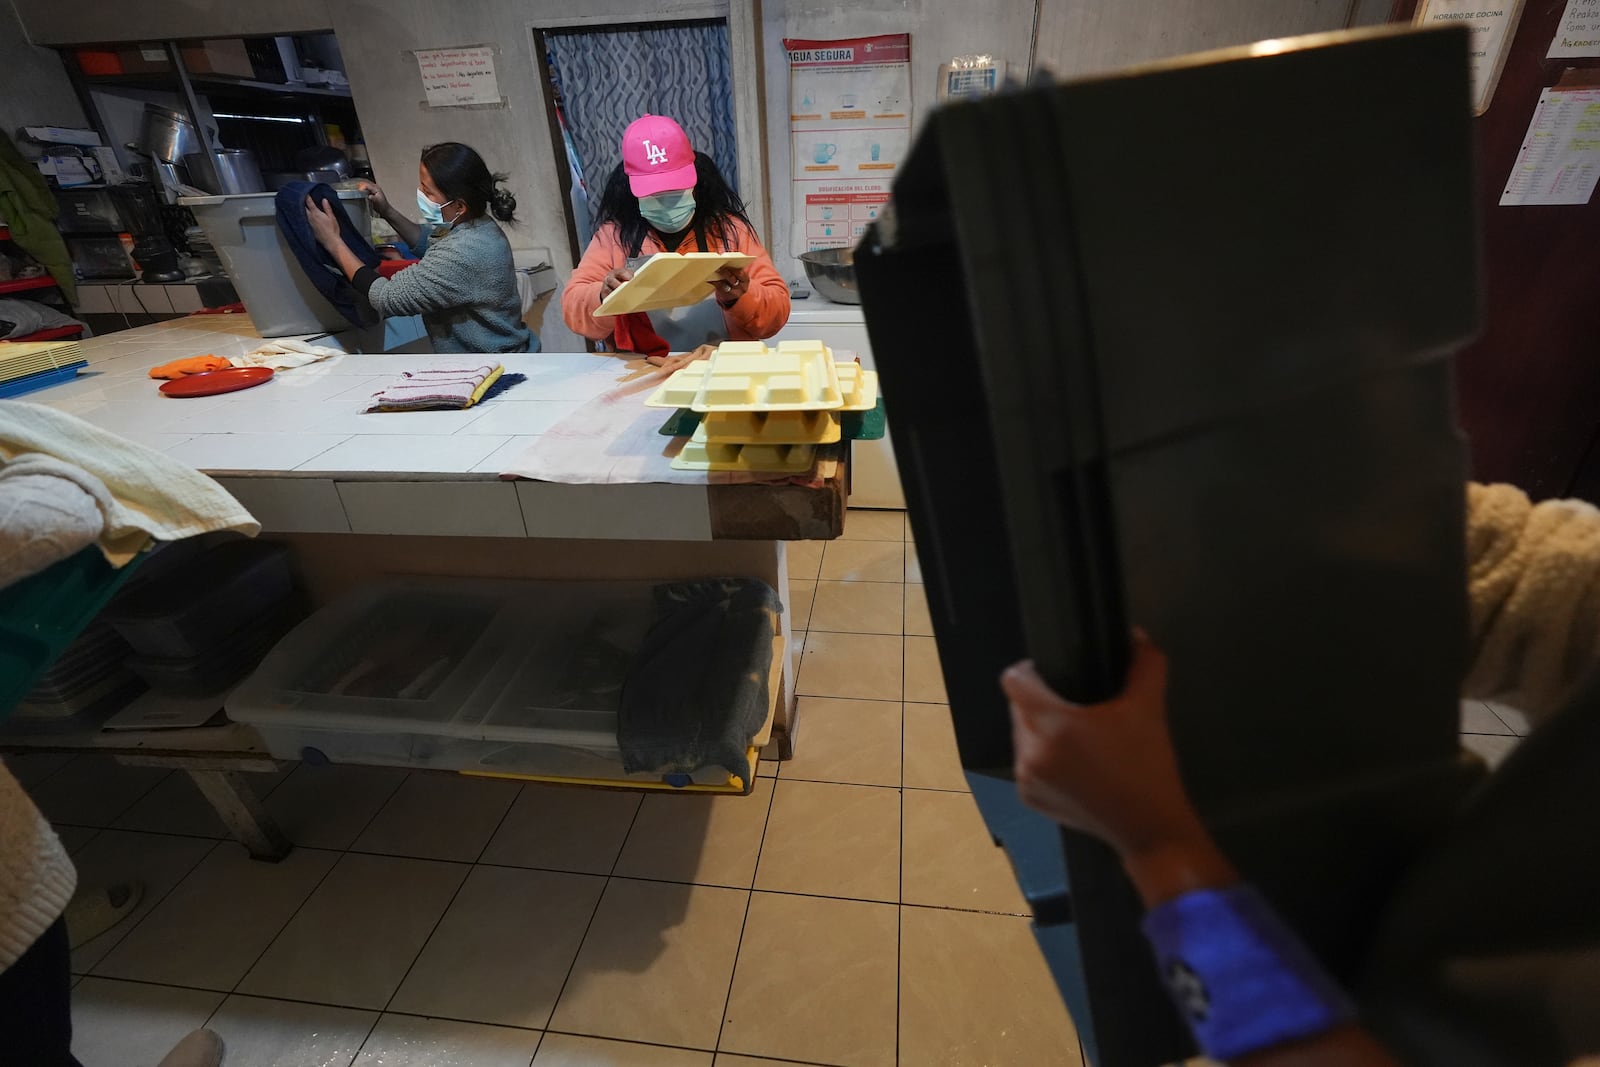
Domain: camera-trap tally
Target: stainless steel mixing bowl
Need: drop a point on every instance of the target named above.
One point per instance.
(832, 273)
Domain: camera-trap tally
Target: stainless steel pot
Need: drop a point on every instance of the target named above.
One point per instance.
(225, 171)
(167, 135)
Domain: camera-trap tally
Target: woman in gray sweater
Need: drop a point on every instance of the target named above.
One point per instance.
(464, 287)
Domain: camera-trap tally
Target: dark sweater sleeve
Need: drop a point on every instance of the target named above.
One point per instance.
(363, 279)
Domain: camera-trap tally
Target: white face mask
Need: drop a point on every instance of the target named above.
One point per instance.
(432, 214)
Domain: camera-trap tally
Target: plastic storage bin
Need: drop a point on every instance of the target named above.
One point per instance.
(275, 290)
(502, 677)
(193, 609)
(229, 660)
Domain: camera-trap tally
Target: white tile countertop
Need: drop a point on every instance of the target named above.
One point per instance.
(295, 450)
(300, 453)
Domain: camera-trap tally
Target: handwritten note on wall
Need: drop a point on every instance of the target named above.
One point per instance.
(1578, 34)
(452, 77)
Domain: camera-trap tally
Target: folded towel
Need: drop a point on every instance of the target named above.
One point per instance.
(142, 494)
(697, 695)
(178, 368)
(441, 389)
(284, 355)
(48, 511)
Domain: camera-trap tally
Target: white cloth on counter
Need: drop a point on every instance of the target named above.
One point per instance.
(284, 355)
(140, 493)
(49, 510)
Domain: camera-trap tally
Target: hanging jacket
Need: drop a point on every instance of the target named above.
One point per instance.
(314, 259)
(29, 208)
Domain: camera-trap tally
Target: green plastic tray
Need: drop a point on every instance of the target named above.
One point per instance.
(40, 616)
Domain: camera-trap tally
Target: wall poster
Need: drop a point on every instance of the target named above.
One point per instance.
(849, 129)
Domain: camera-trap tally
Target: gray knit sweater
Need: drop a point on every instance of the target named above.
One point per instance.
(36, 877)
(465, 289)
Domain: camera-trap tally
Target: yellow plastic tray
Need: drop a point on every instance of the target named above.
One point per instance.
(20, 358)
(755, 459)
(669, 280)
(768, 428)
(749, 376)
(860, 387)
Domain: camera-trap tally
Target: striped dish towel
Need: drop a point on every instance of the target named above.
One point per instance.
(442, 389)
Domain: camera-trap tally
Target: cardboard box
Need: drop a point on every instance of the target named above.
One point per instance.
(148, 58)
(227, 57)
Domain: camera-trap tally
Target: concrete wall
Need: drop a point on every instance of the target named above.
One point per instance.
(34, 90)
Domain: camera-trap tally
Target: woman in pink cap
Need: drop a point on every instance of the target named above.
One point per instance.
(666, 197)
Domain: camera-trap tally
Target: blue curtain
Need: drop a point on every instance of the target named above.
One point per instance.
(610, 76)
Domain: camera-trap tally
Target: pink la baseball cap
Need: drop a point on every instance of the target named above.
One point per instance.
(657, 156)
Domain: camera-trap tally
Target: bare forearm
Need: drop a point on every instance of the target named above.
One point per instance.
(346, 259)
(408, 231)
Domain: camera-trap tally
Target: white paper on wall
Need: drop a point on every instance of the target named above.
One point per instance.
(453, 77)
(1578, 33)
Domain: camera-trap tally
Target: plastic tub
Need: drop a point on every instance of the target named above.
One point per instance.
(483, 676)
(193, 608)
(275, 290)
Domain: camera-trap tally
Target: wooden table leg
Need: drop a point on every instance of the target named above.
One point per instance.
(241, 810)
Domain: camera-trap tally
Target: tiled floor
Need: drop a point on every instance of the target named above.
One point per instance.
(851, 912)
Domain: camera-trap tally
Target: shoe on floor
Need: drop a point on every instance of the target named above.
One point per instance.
(94, 910)
(202, 1048)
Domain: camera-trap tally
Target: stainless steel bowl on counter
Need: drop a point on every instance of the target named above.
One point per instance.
(832, 273)
(225, 171)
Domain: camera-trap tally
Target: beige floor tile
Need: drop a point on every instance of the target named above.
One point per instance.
(562, 828)
(176, 806)
(1493, 749)
(863, 561)
(566, 1050)
(159, 861)
(1476, 718)
(258, 1032)
(975, 991)
(192, 938)
(503, 950)
(406, 1041)
(833, 841)
(805, 559)
(815, 982)
(436, 816)
(913, 571)
(802, 594)
(908, 533)
(856, 666)
(133, 1023)
(92, 790)
(851, 741)
(709, 840)
(924, 682)
(948, 859)
(1515, 719)
(932, 760)
(354, 939)
(328, 807)
(726, 1060)
(918, 622)
(859, 608)
(655, 965)
(865, 525)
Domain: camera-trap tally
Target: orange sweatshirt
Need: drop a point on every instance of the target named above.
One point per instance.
(757, 315)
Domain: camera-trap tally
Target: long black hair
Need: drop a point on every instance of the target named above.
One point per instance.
(718, 211)
(461, 174)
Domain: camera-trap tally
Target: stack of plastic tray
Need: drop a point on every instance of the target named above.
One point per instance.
(765, 409)
(513, 678)
(200, 628)
(89, 677)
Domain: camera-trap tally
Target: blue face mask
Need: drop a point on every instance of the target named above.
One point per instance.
(432, 214)
(668, 212)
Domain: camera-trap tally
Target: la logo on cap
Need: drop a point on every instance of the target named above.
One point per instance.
(654, 154)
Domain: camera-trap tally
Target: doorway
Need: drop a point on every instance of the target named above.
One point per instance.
(600, 78)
